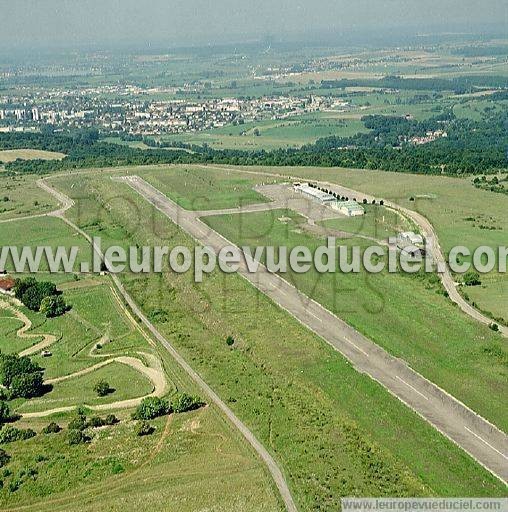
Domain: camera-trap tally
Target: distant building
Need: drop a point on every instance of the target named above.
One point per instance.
(349, 208)
(315, 194)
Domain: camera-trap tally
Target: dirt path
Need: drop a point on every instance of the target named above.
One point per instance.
(48, 339)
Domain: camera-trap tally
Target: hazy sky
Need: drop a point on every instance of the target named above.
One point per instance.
(62, 22)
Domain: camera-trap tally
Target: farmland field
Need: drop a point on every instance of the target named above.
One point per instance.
(9, 155)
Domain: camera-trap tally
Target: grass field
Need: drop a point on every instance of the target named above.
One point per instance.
(20, 197)
(270, 134)
(378, 222)
(196, 189)
(191, 462)
(427, 331)
(125, 383)
(298, 395)
(10, 155)
(181, 459)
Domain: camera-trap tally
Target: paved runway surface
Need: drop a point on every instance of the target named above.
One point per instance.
(483, 441)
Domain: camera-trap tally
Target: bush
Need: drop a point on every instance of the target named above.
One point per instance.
(77, 423)
(4, 458)
(111, 419)
(52, 428)
(5, 412)
(151, 407)
(183, 403)
(96, 422)
(143, 428)
(75, 437)
(472, 278)
(102, 388)
(9, 434)
(230, 341)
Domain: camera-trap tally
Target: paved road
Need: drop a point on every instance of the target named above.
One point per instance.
(265, 456)
(483, 441)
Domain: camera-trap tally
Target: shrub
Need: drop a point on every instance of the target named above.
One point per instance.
(102, 388)
(52, 428)
(95, 422)
(143, 428)
(77, 423)
(75, 437)
(183, 403)
(9, 434)
(110, 419)
(472, 278)
(152, 407)
(4, 458)
(230, 341)
(5, 412)
(53, 306)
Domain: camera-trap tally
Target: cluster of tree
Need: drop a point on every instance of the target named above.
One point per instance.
(10, 434)
(40, 296)
(152, 407)
(77, 427)
(471, 147)
(495, 184)
(20, 376)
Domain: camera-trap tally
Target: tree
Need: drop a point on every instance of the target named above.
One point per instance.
(12, 365)
(110, 419)
(53, 306)
(152, 407)
(77, 423)
(27, 385)
(102, 388)
(230, 341)
(75, 437)
(95, 422)
(143, 428)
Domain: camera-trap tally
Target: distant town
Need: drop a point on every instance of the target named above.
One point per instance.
(135, 112)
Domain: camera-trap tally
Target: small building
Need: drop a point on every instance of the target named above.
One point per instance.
(409, 238)
(314, 193)
(349, 208)
(7, 285)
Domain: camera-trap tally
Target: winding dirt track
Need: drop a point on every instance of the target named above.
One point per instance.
(155, 375)
(48, 339)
